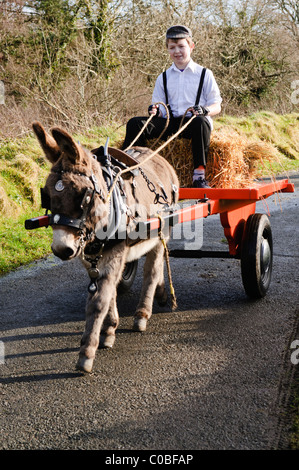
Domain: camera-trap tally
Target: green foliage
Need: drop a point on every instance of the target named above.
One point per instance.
(247, 56)
(54, 31)
(97, 30)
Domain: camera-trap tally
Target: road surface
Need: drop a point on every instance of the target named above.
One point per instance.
(215, 374)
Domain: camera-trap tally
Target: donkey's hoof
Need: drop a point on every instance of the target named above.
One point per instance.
(140, 324)
(106, 341)
(84, 364)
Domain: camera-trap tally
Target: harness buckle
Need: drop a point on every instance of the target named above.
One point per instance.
(87, 198)
(95, 183)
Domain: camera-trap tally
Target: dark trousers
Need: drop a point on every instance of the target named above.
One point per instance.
(198, 131)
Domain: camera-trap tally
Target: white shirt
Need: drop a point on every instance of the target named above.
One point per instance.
(182, 89)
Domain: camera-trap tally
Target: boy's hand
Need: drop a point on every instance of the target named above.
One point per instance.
(200, 110)
(153, 109)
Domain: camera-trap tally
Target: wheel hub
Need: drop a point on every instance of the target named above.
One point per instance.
(265, 255)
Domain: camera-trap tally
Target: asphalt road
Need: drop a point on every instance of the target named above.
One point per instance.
(215, 374)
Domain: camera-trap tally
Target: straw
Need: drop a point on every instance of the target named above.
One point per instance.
(232, 159)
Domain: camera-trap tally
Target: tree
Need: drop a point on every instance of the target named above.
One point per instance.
(55, 27)
(97, 28)
(289, 15)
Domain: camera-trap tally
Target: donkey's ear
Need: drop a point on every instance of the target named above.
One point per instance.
(66, 144)
(47, 143)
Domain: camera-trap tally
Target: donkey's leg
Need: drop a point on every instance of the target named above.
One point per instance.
(101, 304)
(110, 324)
(161, 293)
(153, 282)
(96, 311)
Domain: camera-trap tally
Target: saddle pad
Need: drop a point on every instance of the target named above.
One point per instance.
(123, 157)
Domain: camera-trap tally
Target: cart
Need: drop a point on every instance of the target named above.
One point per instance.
(248, 234)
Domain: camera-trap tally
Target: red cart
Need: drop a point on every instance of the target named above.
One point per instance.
(248, 234)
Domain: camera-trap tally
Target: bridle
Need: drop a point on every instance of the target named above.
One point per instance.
(86, 204)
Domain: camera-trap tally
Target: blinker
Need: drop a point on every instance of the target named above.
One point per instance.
(45, 199)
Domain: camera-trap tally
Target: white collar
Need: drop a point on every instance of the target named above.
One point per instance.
(190, 65)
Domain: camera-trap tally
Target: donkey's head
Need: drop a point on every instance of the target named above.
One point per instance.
(74, 192)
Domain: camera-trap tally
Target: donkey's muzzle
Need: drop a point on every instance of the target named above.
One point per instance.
(64, 254)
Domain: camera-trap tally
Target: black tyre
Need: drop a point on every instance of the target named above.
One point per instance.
(128, 276)
(257, 256)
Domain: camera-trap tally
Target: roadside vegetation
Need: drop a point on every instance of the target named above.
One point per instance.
(83, 63)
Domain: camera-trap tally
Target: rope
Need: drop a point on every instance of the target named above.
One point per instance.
(121, 172)
(166, 254)
(148, 121)
(143, 128)
(182, 120)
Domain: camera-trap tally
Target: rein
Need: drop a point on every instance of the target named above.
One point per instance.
(147, 123)
(181, 129)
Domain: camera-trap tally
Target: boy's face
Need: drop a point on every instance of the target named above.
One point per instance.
(180, 52)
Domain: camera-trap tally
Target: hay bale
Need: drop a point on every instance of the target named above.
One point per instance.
(179, 154)
(227, 166)
(232, 159)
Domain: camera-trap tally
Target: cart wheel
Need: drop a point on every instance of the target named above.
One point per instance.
(257, 256)
(128, 276)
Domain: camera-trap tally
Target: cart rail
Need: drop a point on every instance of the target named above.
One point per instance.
(234, 206)
(255, 192)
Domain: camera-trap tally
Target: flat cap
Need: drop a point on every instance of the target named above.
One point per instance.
(178, 32)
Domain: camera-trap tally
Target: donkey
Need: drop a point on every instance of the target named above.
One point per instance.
(77, 194)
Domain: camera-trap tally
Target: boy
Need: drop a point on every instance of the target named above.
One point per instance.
(180, 89)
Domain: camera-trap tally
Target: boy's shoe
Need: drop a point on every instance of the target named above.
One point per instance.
(200, 183)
